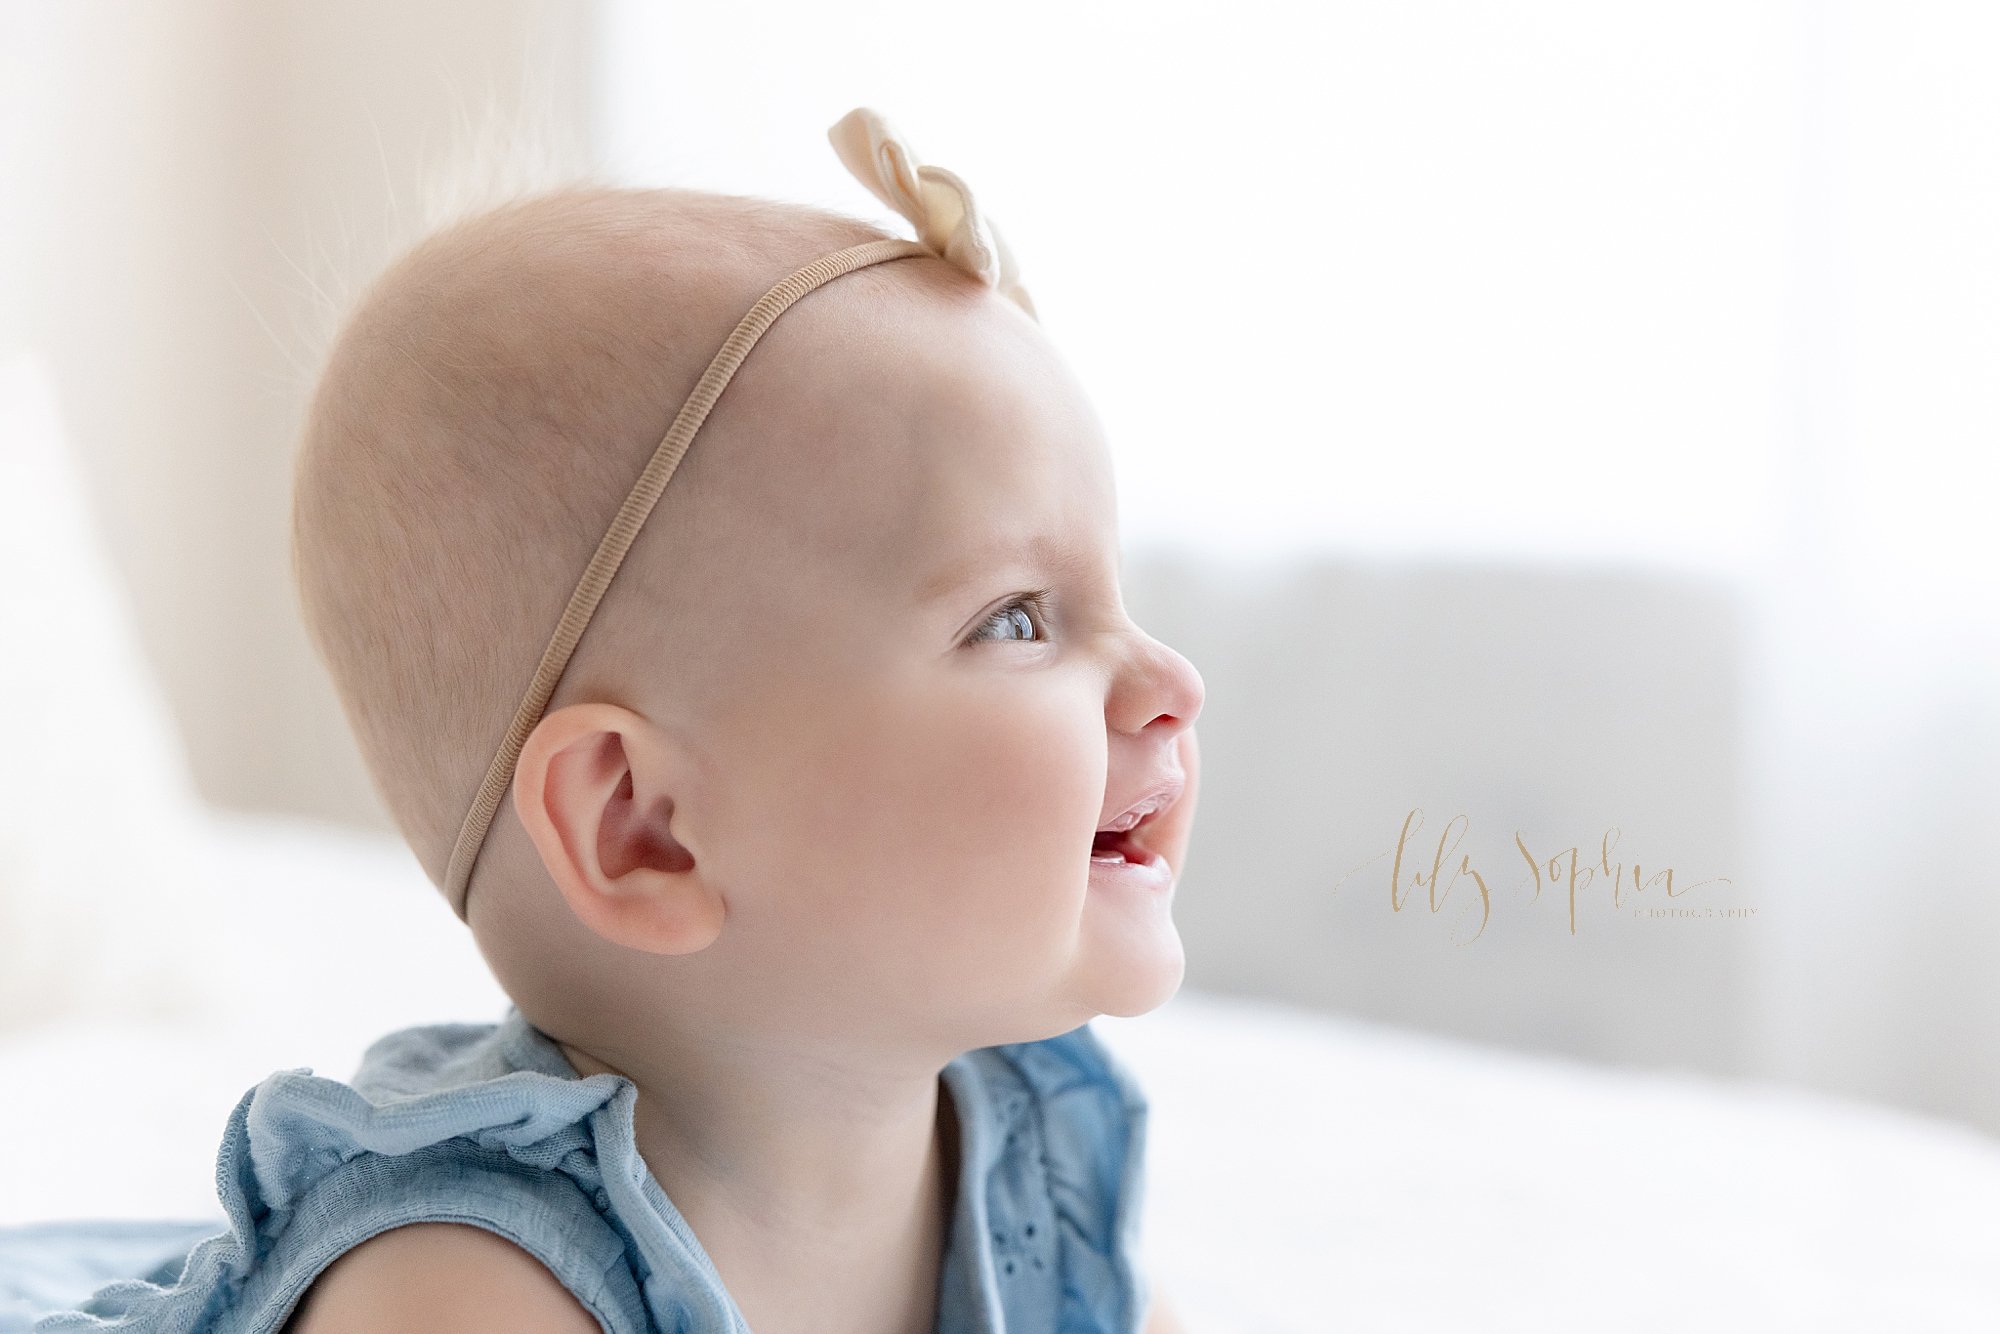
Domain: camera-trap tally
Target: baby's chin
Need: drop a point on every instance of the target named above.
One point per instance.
(1132, 1001)
(1132, 990)
(1142, 978)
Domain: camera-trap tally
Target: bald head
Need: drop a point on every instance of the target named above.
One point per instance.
(482, 415)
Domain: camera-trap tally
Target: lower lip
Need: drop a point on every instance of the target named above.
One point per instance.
(1149, 870)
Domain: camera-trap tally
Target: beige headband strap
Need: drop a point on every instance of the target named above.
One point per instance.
(631, 516)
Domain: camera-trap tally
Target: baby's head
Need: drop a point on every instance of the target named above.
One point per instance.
(828, 763)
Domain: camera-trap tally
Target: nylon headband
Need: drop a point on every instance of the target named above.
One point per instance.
(625, 528)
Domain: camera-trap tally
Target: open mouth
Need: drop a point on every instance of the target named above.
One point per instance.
(1116, 847)
(1113, 847)
(1118, 844)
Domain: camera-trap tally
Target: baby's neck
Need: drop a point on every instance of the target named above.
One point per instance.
(887, 1284)
(825, 1209)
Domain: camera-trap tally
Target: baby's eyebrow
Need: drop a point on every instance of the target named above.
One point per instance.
(1046, 551)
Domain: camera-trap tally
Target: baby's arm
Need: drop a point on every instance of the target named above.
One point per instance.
(443, 1278)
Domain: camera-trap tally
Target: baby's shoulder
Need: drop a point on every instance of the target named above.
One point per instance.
(439, 1276)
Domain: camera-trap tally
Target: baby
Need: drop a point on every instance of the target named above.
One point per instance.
(800, 887)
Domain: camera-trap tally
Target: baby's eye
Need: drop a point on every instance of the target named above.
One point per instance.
(1015, 616)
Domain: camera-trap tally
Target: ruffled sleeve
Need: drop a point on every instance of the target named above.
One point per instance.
(310, 1168)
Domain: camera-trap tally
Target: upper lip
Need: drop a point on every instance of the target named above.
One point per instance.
(1152, 800)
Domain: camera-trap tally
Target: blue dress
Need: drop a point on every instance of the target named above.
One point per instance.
(489, 1124)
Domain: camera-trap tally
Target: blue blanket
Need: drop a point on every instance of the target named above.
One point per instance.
(56, 1266)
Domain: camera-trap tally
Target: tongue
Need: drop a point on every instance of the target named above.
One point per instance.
(1108, 847)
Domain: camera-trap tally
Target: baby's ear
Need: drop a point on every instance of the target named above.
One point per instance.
(592, 788)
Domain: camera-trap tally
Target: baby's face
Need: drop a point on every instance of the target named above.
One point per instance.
(941, 696)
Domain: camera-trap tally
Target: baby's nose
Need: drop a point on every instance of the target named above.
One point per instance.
(1159, 687)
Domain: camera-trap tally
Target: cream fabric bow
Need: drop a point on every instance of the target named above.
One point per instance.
(936, 200)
